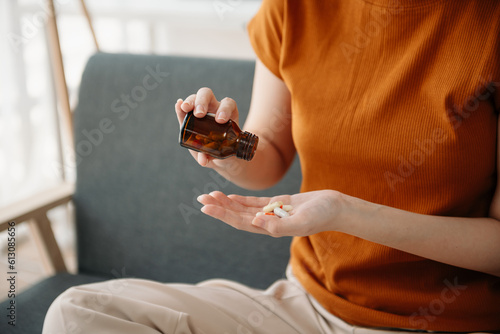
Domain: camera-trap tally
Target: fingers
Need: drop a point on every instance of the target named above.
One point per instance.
(251, 201)
(227, 110)
(238, 220)
(201, 103)
(182, 107)
(179, 112)
(219, 198)
(204, 102)
(188, 103)
(239, 212)
(279, 227)
(201, 158)
(265, 222)
(260, 202)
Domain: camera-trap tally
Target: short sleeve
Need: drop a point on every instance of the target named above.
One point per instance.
(266, 34)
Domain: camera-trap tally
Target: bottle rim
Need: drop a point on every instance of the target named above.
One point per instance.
(247, 145)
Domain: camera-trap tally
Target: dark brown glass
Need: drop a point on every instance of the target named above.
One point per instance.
(217, 140)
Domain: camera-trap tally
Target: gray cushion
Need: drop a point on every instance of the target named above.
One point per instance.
(136, 209)
(32, 304)
(136, 191)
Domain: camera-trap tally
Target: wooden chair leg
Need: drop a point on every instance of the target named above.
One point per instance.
(45, 239)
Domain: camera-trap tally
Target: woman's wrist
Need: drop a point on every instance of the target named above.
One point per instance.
(336, 211)
(353, 213)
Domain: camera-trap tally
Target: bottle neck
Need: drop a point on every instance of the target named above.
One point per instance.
(246, 145)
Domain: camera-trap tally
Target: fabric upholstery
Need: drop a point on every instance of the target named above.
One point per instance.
(32, 304)
(135, 200)
(136, 191)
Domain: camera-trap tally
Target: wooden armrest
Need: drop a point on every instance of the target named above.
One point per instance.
(35, 205)
(35, 209)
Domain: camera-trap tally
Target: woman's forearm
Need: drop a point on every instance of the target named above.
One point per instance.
(265, 169)
(270, 119)
(472, 243)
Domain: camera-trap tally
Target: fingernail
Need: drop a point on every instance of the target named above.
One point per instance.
(178, 101)
(199, 198)
(199, 109)
(222, 116)
(259, 222)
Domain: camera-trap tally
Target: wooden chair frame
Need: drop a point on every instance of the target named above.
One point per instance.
(34, 210)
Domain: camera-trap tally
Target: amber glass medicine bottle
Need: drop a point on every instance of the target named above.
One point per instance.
(217, 140)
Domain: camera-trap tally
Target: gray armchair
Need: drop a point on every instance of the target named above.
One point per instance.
(136, 188)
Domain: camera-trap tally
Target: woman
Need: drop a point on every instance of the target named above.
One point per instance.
(392, 108)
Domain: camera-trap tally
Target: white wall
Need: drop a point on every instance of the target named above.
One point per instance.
(28, 142)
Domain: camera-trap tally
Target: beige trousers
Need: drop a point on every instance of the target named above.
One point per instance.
(211, 307)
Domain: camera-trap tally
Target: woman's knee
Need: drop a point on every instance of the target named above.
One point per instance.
(112, 304)
(79, 304)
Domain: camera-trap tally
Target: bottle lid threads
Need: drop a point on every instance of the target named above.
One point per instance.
(246, 146)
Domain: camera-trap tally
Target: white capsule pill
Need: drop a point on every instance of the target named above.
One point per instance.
(281, 213)
(270, 207)
(287, 208)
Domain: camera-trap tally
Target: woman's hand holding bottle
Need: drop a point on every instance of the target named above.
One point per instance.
(201, 103)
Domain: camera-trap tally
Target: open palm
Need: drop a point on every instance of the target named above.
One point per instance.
(313, 212)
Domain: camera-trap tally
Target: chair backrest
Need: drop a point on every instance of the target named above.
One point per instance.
(135, 200)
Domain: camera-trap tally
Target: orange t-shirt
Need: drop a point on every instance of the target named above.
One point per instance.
(394, 102)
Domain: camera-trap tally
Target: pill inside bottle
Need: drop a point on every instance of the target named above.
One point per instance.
(217, 140)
